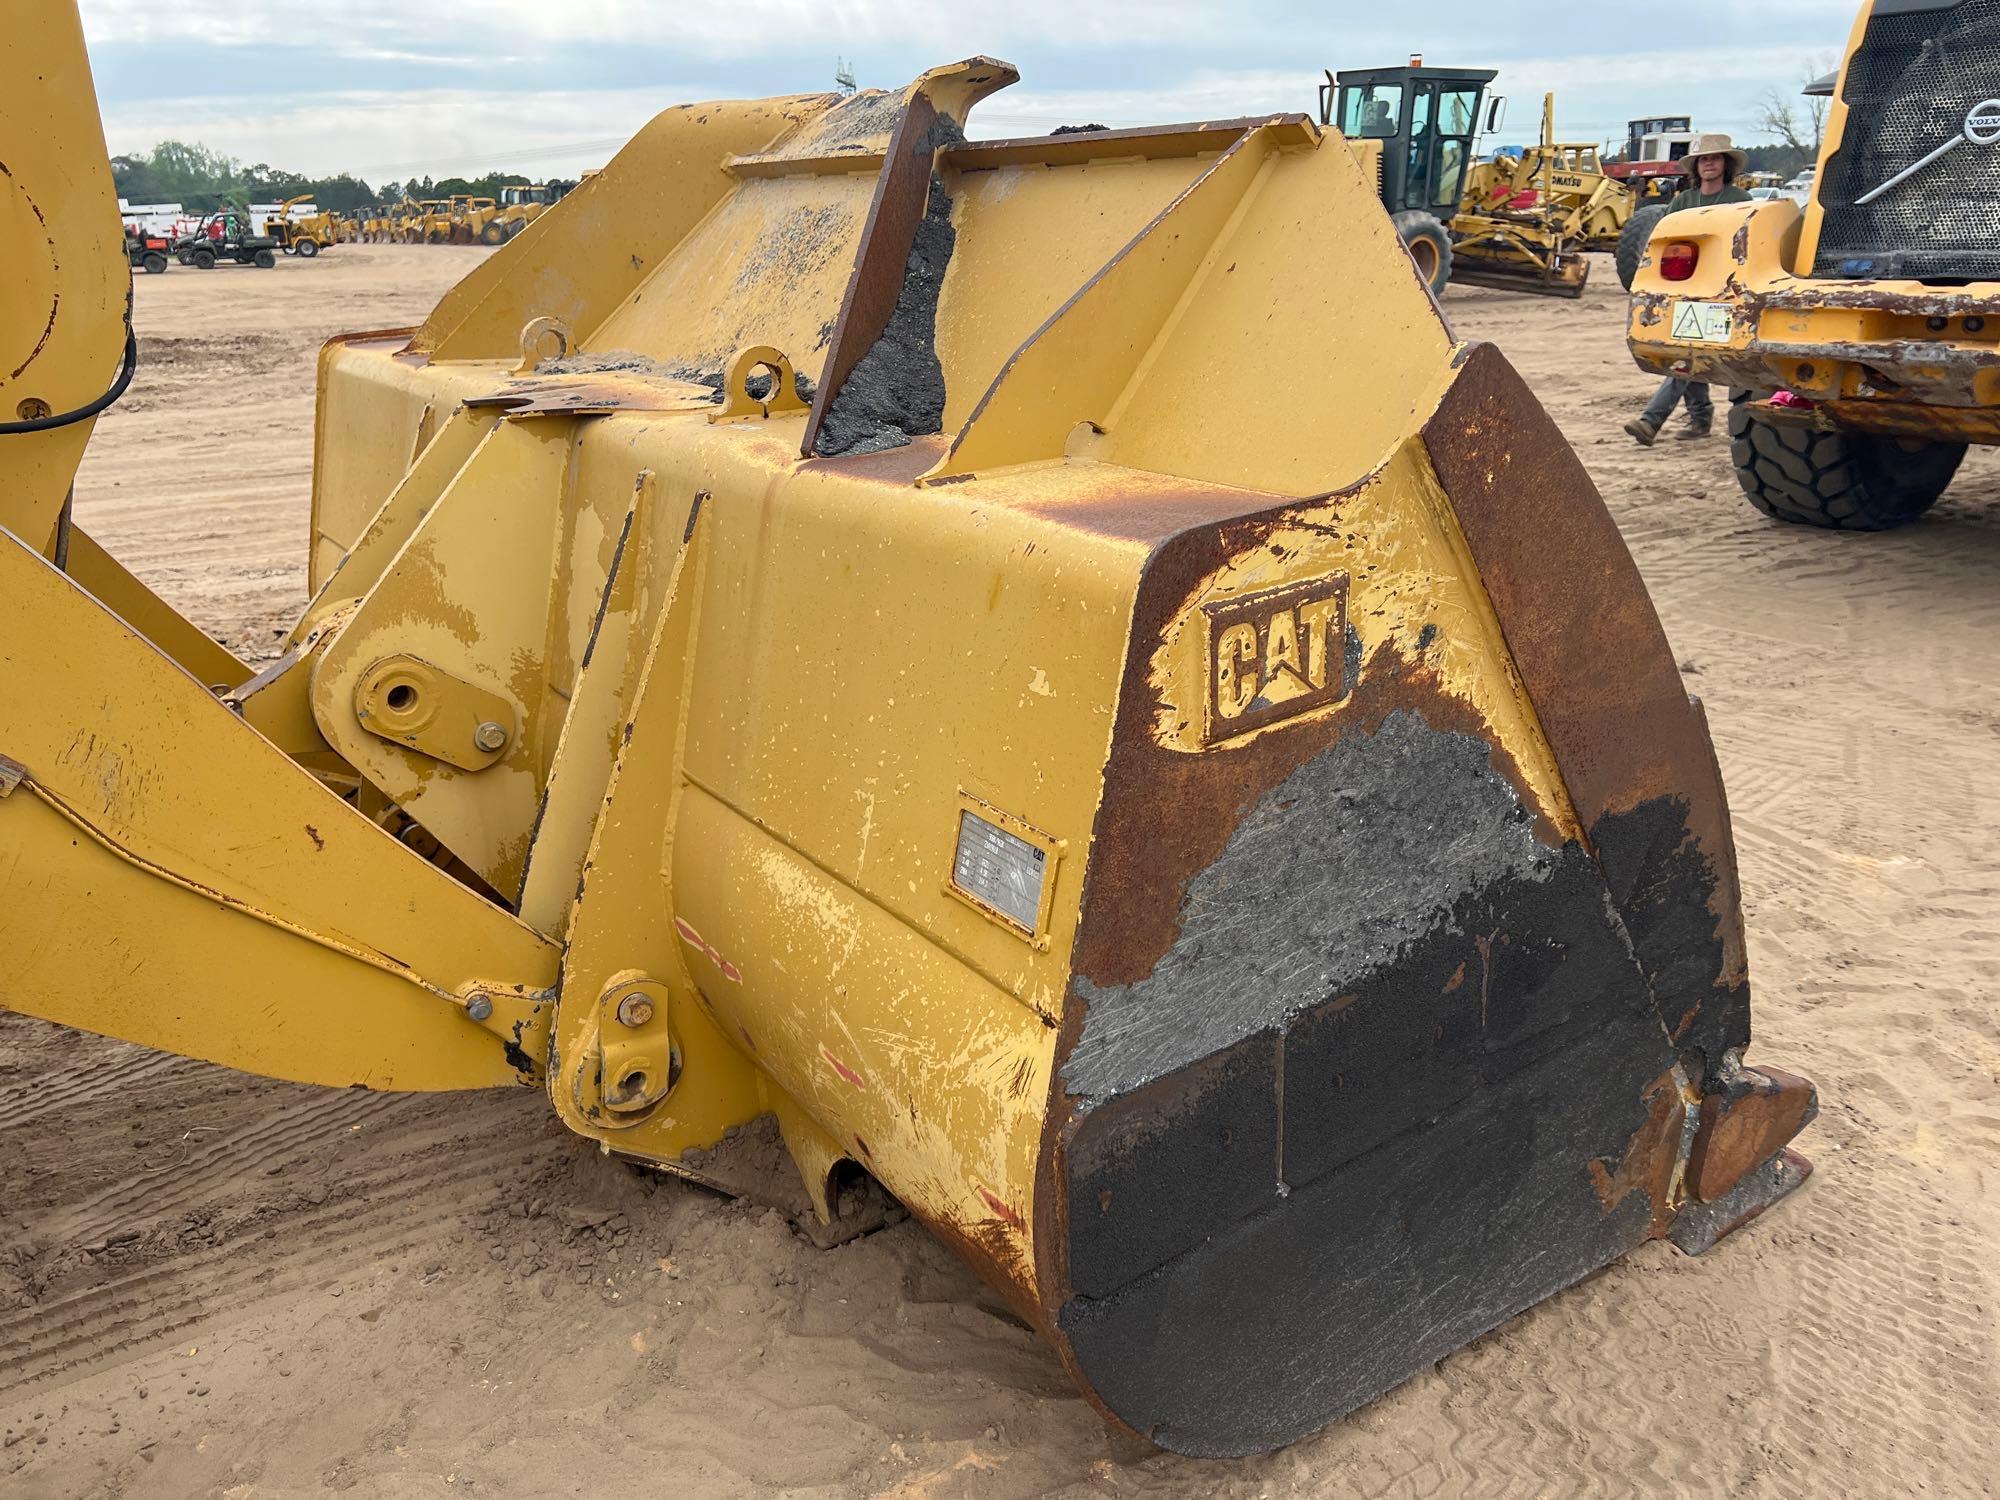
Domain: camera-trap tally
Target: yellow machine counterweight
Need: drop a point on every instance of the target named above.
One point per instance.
(959, 652)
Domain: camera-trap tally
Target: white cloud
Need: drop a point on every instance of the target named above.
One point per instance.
(1121, 62)
(701, 29)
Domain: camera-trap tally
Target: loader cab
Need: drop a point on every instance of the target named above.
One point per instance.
(1428, 121)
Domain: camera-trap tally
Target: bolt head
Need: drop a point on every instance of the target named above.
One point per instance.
(635, 1010)
(479, 1007)
(490, 737)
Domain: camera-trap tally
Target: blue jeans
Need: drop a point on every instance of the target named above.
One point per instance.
(1671, 393)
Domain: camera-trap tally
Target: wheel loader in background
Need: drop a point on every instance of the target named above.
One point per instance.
(1521, 224)
(814, 644)
(387, 223)
(1860, 332)
(520, 205)
(471, 220)
(425, 223)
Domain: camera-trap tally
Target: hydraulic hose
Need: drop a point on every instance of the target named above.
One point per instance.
(84, 413)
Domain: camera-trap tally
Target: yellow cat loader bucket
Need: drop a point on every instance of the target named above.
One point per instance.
(1038, 669)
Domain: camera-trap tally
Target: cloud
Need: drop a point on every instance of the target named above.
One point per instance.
(385, 87)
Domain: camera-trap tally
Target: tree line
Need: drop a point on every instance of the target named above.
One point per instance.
(203, 181)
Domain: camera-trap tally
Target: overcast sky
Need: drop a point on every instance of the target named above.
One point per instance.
(394, 88)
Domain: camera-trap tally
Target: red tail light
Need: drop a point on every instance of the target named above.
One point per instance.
(1677, 262)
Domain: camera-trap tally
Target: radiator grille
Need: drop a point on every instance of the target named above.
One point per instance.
(1917, 76)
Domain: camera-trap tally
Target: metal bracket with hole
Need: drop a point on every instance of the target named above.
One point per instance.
(406, 700)
(641, 1064)
(632, 1062)
(543, 339)
(781, 400)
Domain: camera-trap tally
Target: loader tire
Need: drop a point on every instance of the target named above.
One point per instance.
(1843, 481)
(308, 248)
(493, 234)
(202, 260)
(154, 263)
(1633, 240)
(264, 260)
(1429, 245)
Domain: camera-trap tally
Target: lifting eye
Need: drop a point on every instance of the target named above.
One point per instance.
(1677, 262)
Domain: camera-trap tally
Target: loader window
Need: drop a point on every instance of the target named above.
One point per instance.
(1372, 111)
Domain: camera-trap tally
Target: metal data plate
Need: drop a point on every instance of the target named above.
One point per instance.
(999, 870)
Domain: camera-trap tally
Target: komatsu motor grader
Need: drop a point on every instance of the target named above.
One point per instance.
(1038, 671)
(1861, 332)
(1518, 223)
(1527, 221)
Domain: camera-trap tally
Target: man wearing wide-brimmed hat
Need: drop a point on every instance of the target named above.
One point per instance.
(1715, 162)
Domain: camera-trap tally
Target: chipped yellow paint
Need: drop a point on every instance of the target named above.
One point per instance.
(1411, 588)
(64, 282)
(749, 695)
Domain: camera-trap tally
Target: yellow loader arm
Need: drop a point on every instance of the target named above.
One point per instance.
(1039, 668)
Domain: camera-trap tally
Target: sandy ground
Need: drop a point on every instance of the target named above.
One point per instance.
(215, 1285)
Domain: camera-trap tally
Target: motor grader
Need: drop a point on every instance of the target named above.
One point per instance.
(836, 638)
(1526, 221)
(1519, 223)
(1859, 332)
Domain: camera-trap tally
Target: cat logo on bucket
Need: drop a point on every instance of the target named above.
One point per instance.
(1276, 654)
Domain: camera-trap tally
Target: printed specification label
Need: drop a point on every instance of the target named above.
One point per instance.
(1000, 870)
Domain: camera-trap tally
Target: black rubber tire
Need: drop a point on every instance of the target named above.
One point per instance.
(308, 248)
(1633, 239)
(1843, 481)
(264, 260)
(154, 263)
(202, 260)
(493, 234)
(1429, 244)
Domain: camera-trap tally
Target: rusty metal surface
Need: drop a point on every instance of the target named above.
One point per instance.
(1702, 1226)
(1567, 277)
(1164, 1189)
(902, 191)
(1893, 343)
(1147, 142)
(1929, 372)
(1964, 424)
(1601, 673)
(877, 280)
(1743, 1124)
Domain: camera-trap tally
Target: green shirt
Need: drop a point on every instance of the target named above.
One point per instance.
(1694, 197)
